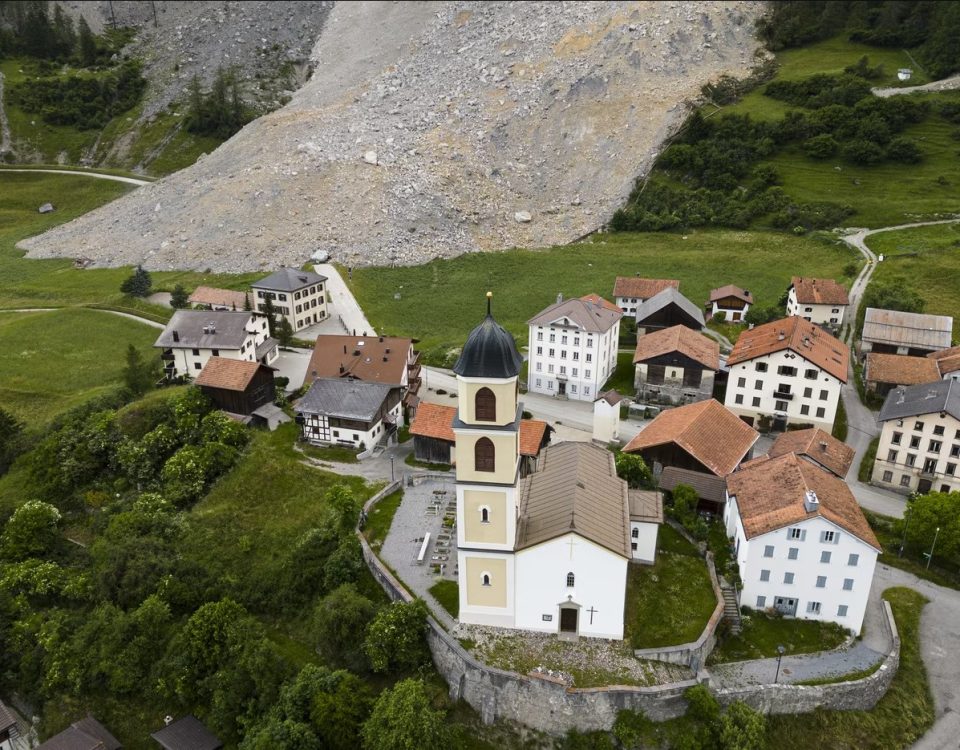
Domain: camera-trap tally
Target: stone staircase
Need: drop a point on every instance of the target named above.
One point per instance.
(731, 607)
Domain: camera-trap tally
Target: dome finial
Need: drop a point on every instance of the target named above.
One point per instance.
(489, 297)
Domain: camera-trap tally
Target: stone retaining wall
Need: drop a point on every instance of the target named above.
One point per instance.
(549, 706)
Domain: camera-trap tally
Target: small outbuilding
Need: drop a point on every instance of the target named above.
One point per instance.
(187, 733)
(606, 416)
(675, 366)
(646, 516)
(730, 301)
(884, 372)
(665, 309)
(85, 734)
(237, 386)
(896, 332)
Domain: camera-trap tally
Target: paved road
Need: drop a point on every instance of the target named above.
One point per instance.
(81, 173)
(345, 306)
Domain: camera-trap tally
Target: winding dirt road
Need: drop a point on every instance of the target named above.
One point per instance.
(95, 175)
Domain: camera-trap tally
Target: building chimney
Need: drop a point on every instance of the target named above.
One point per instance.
(176, 335)
(385, 358)
(381, 339)
(344, 348)
(341, 370)
(167, 720)
(811, 503)
(781, 336)
(823, 445)
(213, 327)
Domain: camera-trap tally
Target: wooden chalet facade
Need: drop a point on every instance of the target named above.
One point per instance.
(237, 386)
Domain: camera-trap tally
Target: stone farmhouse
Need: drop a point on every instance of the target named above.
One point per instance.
(298, 296)
(345, 411)
(803, 545)
(789, 371)
(630, 291)
(895, 332)
(573, 347)
(675, 366)
(666, 309)
(194, 336)
(820, 301)
(816, 446)
(919, 448)
(730, 301)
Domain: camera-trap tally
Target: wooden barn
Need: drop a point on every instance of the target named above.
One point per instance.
(237, 386)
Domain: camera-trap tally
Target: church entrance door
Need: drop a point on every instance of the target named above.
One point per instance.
(568, 620)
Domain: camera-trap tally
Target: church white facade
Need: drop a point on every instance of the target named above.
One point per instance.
(547, 553)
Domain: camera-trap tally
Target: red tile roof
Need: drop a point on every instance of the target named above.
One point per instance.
(708, 431)
(821, 446)
(372, 359)
(730, 291)
(531, 435)
(229, 374)
(819, 291)
(598, 300)
(436, 421)
(948, 360)
(900, 369)
(634, 286)
(770, 496)
(679, 339)
(208, 295)
(798, 335)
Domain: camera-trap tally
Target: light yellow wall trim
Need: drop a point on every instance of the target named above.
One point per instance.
(474, 530)
(494, 595)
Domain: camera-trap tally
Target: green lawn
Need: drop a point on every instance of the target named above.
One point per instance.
(929, 258)
(448, 594)
(55, 360)
(55, 283)
(622, 378)
(380, 519)
(440, 302)
(670, 602)
(337, 453)
(762, 634)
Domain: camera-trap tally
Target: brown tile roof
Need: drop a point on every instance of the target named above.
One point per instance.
(436, 421)
(612, 397)
(900, 369)
(586, 315)
(229, 374)
(821, 446)
(770, 496)
(598, 300)
(798, 335)
(577, 490)
(819, 291)
(731, 290)
(361, 357)
(208, 295)
(634, 286)
(948, 360)
(706, 430)
(708, 486)
(679, 339)
(646, 506)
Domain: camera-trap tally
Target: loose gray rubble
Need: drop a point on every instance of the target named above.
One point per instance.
(431, 130)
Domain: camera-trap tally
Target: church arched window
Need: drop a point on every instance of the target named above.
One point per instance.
(483, 455)
(485, 405)
(570, 580)
(484, 515)
(485, 579)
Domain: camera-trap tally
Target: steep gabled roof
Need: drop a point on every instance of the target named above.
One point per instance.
(373, 359)
(577, 491)
(85, 734)
(708, 486)
(344, 398)
(821, 446)
(208, 329)
(798, 335)
(598, 300)
(531, 436)
(187, 733)
(7, 719)
(730, 290)
(667, 297)
(678, 339)
(926, 398)
(708, 431)
(770, 495)
(907, 329)
(948, 360)
(228, 374)
(819, 291)
(436, 421)
(288, 280)
(900, 369)
(634, 286)
(584, 313)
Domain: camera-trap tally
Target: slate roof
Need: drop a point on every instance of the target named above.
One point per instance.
(490, 351)
(583, 313)
(7, 719)
(678, 339)
(344, 398)
(646, 506)
(926, 398)
(436, 421)
(948, 360)
(821, 446)
(288, 280)
(85, 734)
(900, 369)
(230, 329)
(708, 486)
(798, 335)
(669, 296)
(707, 430)
(208, 295)
(228, 374)
(819, 291)
(770, 496)
(577, 490)
(907, 329)
(187, 733)
(634, 286)
(730, 290)
(374, 359)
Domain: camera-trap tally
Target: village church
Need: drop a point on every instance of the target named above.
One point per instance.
(548, 552)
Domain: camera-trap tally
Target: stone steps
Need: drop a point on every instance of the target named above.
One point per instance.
(731, 609)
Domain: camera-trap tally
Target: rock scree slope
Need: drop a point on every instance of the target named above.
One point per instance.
(431, 130)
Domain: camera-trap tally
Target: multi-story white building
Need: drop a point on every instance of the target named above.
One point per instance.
(789, 371)
(919, 449)
(820, 301)
(573, 347)
(299, 296)
(193, 336)
(802, 543)
(629, 292)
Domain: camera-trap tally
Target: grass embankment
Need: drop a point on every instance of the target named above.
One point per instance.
(762, 634)
(442, 301)
(338, 453)
(898, 720)
(56, 283)
(865, 470)
(55, 360)
(380, 518)
(448, 594)
(668, 603)
(929, 258)
(889, 533)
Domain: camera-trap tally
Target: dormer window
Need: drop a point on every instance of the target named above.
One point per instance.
(485, 405)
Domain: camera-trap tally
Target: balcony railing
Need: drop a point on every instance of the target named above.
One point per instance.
(783, 396)
(167, 355)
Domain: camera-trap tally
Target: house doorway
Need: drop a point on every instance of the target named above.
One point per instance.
(785, 605)
(924, 486)
(568, 620)
(561, 388)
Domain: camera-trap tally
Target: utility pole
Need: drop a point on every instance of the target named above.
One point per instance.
(932, 548)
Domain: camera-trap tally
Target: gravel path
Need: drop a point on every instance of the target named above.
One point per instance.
(946, 84)
(5, 142)
(137, 318)
(83, 173)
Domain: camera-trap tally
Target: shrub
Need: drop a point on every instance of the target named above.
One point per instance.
(404, 719)
(863, 152)
(138, 283)
(337, 619)
(904, 150)
(820, 146)
(395, 639)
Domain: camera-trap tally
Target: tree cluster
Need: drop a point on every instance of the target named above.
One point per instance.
(137, 284)
(28, 28)
(220, 112)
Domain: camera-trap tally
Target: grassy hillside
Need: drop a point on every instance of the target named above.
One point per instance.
(442, 301)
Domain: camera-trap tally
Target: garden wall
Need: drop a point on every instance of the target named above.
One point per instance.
(550, 706)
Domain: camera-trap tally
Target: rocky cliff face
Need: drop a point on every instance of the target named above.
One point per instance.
(434, 129)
